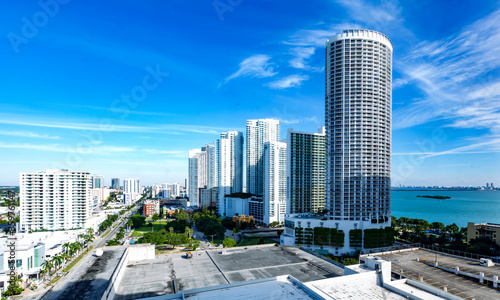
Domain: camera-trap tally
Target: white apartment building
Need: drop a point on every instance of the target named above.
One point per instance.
(274, 182)
(207, 167)
(98, 196)
(202, 172)
(259, 132)
(358, 103)
(54, 200)
(306, 165)
(175, 189)
(131, 186)
(229, 166)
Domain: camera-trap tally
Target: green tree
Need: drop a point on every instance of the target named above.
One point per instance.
(47, 266)
(274, 224)
(14, 287)
(228, 243)
(350, 261)
(138, 220)
(129, 224)
(438, 226)
(155, 217)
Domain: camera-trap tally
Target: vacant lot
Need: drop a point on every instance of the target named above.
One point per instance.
(157, 226)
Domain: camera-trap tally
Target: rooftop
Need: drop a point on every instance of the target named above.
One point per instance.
(171, 273)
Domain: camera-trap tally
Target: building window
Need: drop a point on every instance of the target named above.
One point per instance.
(19, 263)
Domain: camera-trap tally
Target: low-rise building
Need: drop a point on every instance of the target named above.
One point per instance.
(150, 207)
(243, 219)
(489, 231)
(317, 233)
(28, 263)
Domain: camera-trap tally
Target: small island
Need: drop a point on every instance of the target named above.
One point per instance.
(436, 197)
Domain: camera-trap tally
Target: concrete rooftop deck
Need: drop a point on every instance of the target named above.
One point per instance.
(210, 268)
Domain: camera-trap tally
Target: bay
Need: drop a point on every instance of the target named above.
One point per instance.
(463, 207)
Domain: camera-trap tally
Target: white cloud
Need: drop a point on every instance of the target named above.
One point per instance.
(387, 12)
(318, 37)
(107, 125)
(28, 134)
(452, 73)
(300, 56)
(399, 82)
(312, 119)
(287, 82)
(87, 148)
(254, 66)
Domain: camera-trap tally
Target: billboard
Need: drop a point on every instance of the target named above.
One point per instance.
(127, 199)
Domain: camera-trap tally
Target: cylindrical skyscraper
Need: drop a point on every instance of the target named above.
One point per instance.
(358, 100)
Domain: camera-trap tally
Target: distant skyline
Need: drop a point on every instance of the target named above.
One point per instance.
(126, 89)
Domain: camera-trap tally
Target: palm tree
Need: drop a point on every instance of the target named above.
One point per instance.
(129, 224)
(65, 256)
(90, 238)
(47, 267)
(90, 231)
(56, 261)
(77, 247)
(67, 246)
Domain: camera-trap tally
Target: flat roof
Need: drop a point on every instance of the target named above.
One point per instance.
(157, 277)
(405, 262)
(276, 288)
(91, 281)
(359, 287)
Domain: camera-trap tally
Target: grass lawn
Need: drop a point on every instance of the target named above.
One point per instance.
(109, 230)
(250, 241)
(157, 226)
(54, 280)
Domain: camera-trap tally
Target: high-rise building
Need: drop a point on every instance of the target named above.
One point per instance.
(97, 182)
(131, 186)
(358, 125)
(54, 200)
(193, 175)
(259, 132)
(229, 166)
(358, 100)
(306, 164)
(208, 170)
(274, 182)
(115, 183)
(202, 171)
(175, 189)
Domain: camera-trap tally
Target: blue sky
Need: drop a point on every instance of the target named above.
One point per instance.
(125, 89)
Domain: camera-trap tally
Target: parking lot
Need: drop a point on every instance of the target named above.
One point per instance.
(465, 287)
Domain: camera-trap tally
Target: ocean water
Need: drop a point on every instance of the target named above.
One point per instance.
(463, 207)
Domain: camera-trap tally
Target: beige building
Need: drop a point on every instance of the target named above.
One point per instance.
(483, 230)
